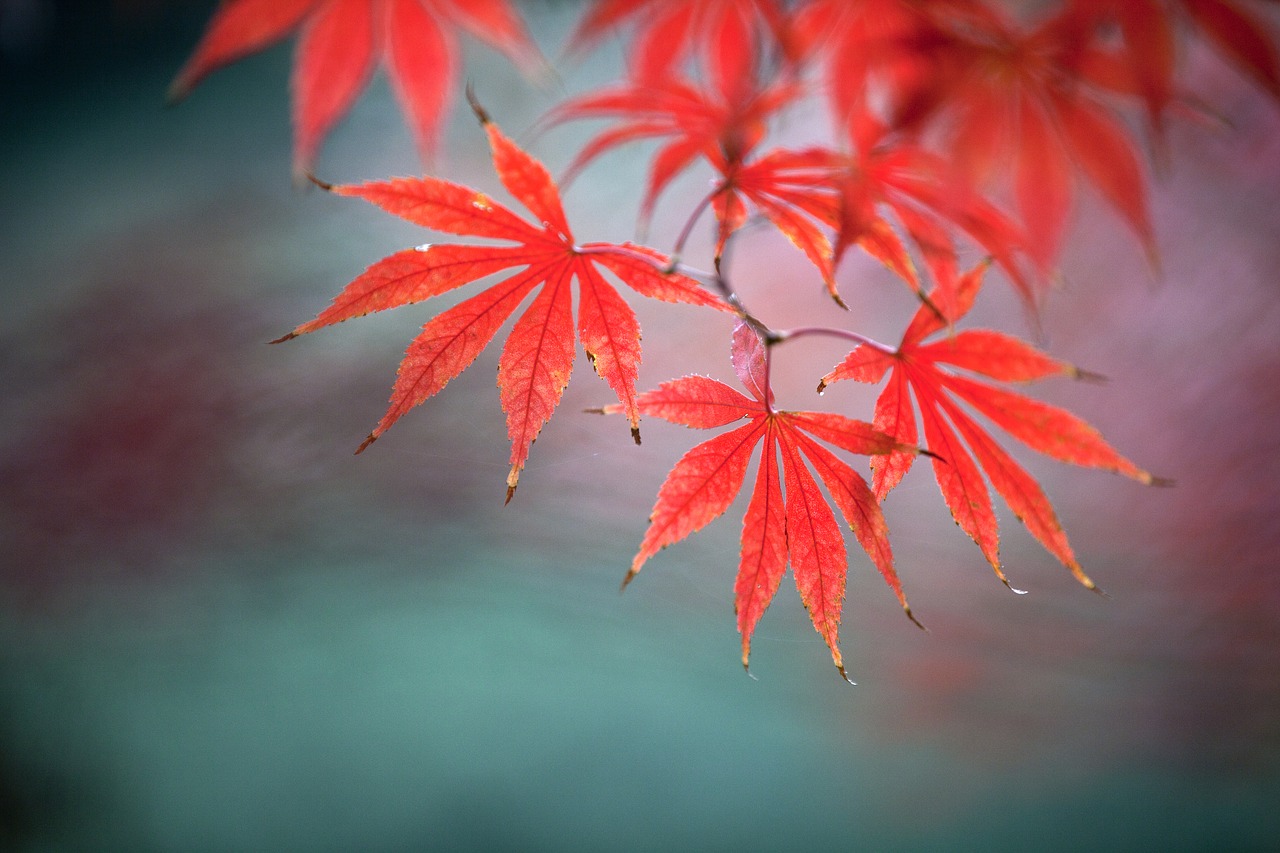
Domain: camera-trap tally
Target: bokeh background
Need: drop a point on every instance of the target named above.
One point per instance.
(219, 630)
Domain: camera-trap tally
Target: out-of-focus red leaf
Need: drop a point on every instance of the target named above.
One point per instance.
(1042, 183)
(422, 64)
(724, 34)
(1024, 101)
(1145, 62)
(891, 177)
(693, 122)
(237, 29)
(340, 44)
(336, 53)
(1241, 36)
(890, 51)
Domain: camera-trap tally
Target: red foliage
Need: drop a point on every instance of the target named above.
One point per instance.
(538, 356)
(798, 528)
(923, 368)
(958, 127)
(339, 44)
(727, 34)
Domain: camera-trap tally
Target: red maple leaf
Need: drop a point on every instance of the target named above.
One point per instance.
(1018, 101)
(1146, 62)
(926, 369)
(794, 190)
(340, 43)
(728, 35)
(890, 173)
(801, 191)
(887, 50)
(796, 525)
(692, 121)
(537, 357)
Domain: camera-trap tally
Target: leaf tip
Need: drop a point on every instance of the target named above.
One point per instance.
(324, 185)
(481, 114)
(283, 338)
(1085, 580)
(845, 675)
(1152, 252)
(177, 91)
(513, 479)
(373, 436)
(635, 434)
(1013, 588)
(906, 608)
(1086, 375)
(631, 573)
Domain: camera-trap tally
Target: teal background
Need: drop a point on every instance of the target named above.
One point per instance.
(219, 630)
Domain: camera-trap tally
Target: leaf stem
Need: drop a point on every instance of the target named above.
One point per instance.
(805, 331)
(687, 229)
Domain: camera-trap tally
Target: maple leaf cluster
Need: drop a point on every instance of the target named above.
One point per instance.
(959, 128)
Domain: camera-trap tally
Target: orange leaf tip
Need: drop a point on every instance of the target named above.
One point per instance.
(513, 478)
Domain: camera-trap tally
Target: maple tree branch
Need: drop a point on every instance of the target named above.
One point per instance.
(804, 331)
(687, 229)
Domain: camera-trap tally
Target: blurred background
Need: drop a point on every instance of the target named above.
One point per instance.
(220, 630)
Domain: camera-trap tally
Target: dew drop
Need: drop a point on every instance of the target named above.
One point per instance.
(481, 202)
(425, 247)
